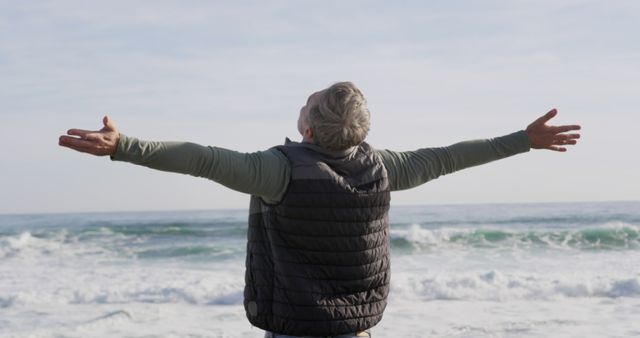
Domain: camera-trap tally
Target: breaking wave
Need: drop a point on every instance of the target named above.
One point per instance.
(610, 236)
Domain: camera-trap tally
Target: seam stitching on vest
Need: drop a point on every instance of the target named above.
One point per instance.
(281, 215)
(318, 293)
(318, 320)
(328, 264)
(373, 193)
(315, 235)
(283, 205)
(327, 220)
(384, 227)
(325, 279)
(316, 305)
(310, 250)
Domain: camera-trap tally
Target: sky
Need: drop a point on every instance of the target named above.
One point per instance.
(234, 74)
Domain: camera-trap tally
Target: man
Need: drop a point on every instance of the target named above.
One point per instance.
(318, 240)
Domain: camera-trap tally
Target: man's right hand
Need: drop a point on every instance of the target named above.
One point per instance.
(99, 142)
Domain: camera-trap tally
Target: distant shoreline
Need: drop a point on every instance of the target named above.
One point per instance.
(240, 209)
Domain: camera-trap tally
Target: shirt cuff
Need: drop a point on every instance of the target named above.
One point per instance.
(524, 145)
(124, 142)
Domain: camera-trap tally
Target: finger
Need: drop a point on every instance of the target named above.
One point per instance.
(78, 146)
(564, 142)
(563, 129)
(108, 123)
(554, 148)
(566, 136)
(79, 132)
(88, 150)
(73, 142)
(95, 137)
(546, 117)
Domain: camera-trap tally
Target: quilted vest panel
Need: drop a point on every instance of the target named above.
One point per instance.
(318, 262)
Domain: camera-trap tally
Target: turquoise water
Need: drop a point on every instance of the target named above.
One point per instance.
(68, 274)
(220, 235)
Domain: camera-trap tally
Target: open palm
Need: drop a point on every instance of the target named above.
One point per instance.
(542, 136)
(97, 142)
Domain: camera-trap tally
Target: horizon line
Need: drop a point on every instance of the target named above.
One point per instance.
(246, 208)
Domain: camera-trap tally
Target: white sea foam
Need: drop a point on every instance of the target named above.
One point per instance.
(26, 246)
(148, 285)
(418, 235)
(610, 235)
(484, 278)
(40, 271)
(13, 245)
(496, 286)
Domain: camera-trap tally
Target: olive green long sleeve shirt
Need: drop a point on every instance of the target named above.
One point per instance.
(266, 173)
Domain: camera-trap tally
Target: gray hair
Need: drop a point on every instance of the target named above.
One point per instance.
(341, 118)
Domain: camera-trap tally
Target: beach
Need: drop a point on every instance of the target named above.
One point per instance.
(491, 270)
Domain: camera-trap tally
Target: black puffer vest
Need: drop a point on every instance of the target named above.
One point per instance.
(318, 262)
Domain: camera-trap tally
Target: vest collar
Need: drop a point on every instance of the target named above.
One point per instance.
(317, 148)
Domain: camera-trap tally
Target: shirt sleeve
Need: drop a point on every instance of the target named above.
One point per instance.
(263, 173)
(409, 169)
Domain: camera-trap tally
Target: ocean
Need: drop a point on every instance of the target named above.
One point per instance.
(494, 270)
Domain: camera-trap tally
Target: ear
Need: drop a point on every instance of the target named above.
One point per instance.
(307, 136)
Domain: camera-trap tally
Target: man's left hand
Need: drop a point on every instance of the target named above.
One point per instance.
(542, 136)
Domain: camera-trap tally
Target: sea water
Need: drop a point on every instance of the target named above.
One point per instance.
(508, 270)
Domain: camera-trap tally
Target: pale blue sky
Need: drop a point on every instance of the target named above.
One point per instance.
(234, 74)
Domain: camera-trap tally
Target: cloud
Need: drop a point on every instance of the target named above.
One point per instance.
(232, 72)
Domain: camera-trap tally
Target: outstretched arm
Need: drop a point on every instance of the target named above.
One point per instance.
(412, 168)
(263, 173)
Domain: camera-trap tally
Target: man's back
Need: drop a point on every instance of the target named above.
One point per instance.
(318, 261)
